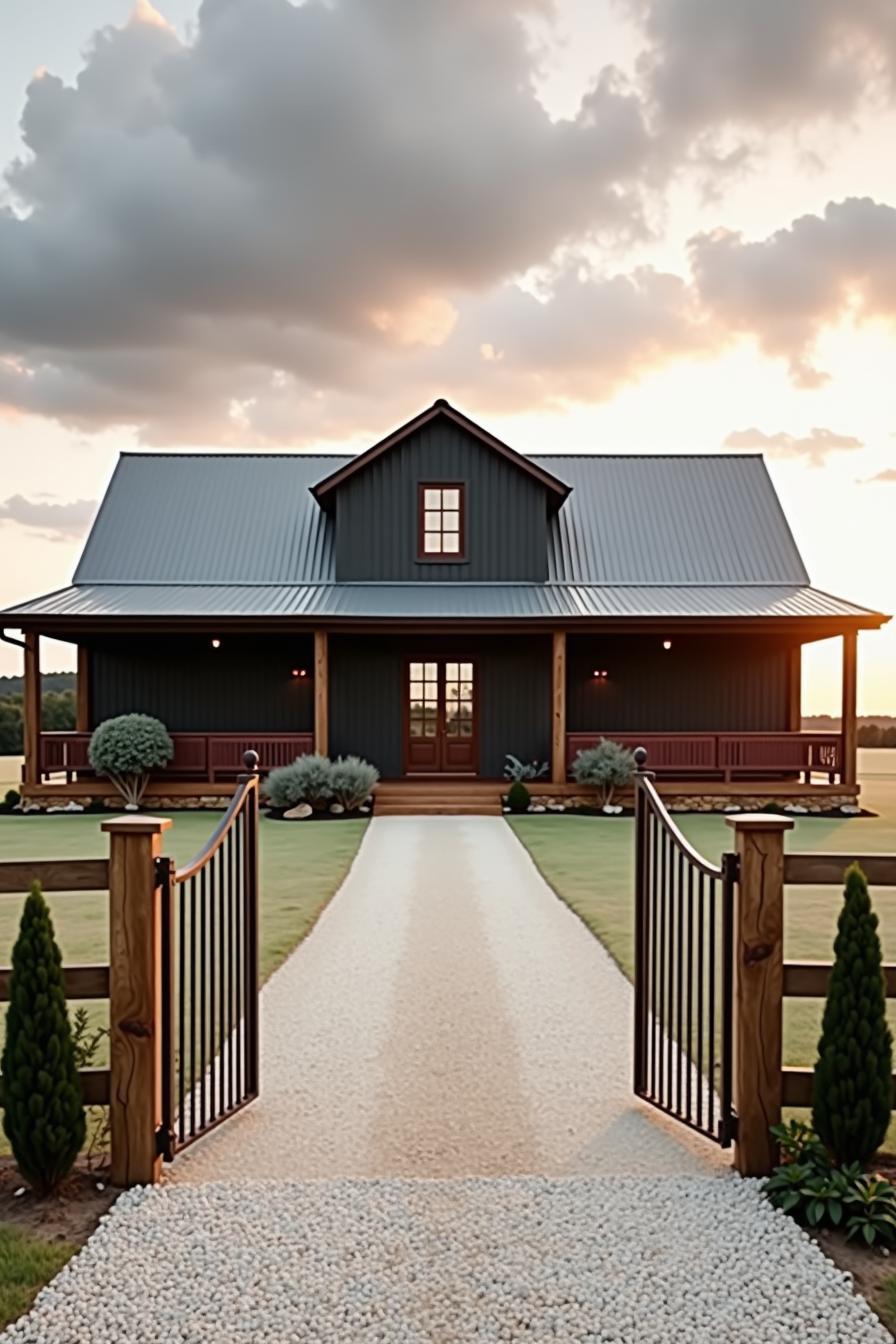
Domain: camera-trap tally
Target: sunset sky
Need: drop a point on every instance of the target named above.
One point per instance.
(648, 225)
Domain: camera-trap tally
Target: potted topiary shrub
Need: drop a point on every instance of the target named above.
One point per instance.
(607, 767)
(43, 1115)
(852, 1089)
(127, 749)
(518, 797)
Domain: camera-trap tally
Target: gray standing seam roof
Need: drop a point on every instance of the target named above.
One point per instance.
(193, 534)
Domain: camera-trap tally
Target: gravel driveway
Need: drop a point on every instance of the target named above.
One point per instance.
(449, 1018)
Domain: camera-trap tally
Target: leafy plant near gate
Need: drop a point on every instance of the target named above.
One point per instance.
(815, 1192)
(127, 749)
(517, 770)
(43, 1115)
(518, 796)
(608, 766)
(351, 780)
(852, 1088)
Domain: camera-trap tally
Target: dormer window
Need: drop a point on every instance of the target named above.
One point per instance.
(441, 521)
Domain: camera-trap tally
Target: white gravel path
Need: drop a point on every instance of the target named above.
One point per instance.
(639, 1260)
(448, 1016)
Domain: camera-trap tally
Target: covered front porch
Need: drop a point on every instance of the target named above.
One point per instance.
(714, 713)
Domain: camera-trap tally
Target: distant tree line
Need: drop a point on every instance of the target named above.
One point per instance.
(57, 709)
(873, 730)
(874, 735)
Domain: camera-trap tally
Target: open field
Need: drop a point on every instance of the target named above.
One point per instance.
(588, 862)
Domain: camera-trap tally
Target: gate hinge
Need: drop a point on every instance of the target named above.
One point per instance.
(731, 866)
(165, 1141)
(162, 870)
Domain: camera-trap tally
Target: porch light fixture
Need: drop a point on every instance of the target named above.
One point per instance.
(667, 644)
(599, 675)
(216, 643)
(299, 672)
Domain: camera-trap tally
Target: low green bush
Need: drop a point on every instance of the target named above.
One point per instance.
(515, 769)
(127, 749)
(11, 798)
(518, 796)
(351, 780)
(817, 1193)
(608, 766)
(43, 1115)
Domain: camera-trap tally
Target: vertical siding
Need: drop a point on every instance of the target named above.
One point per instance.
(367, 690)
(716, 685)
(246, 685)
(377, 514)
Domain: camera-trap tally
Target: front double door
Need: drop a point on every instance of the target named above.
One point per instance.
(440, 719)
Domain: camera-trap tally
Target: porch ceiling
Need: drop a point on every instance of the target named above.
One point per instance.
(440, 602)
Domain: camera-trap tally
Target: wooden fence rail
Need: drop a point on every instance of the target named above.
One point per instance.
(763, 979)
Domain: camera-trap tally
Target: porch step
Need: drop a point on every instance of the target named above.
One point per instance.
(425, 797)
(438, 807)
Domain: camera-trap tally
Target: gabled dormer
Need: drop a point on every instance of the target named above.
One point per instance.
(441, 499)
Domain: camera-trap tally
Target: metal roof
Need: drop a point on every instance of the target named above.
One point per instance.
(468, 601)
(251, 518)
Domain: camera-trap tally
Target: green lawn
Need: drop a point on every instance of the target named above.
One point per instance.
(26, 1264)
(588, 861)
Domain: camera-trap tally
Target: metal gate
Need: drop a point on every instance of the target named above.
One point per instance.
(210, 975)
(684, 919)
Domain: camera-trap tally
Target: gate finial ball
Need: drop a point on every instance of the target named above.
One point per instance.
(640, 755)
(250, 761)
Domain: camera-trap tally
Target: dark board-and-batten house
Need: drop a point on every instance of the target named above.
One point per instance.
(439, 601)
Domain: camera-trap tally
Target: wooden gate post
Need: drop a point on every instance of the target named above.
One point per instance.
(135, 998)
(758, 987)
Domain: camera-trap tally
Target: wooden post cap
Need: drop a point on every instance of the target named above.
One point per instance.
(760, 821)
(136, 825)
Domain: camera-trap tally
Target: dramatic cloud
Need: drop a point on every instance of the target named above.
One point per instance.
(715, 62)
(784, 289)
(814, 446)
(886, 476)
(58, 522)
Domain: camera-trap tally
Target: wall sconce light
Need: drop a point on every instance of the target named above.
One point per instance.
(599, 675)
(667, 644)
(299, 672)
(216, 643)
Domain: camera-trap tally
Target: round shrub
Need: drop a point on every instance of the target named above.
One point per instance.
(11, 799)
(43, 1115)
(608, 766)
(127, 749)
(518, 796)
(308, 780)
(351, 780)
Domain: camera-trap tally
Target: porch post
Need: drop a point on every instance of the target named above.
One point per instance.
(795, 690)
(321, 688)
(848, 711)
(31, 709)
(558, 708)
(82, 709)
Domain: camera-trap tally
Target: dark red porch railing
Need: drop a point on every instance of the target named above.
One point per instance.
(209, 757)
(728, 755)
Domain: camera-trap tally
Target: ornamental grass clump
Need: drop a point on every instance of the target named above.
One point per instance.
(351, 780)
(127, 749)
(852, 1088)
(608, 766)
(309, 779)
(43, 1115)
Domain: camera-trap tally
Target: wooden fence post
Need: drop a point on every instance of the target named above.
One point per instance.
(135, 998)
(758, 987)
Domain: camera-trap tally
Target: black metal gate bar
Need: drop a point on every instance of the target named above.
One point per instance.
(210, 975)
(684, 917)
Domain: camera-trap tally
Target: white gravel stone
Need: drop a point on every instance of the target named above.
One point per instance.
(601, 1260)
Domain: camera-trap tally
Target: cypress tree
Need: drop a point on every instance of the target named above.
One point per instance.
(852, 1088)
(43, 1113)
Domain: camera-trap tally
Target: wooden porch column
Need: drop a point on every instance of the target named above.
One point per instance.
(795, 690)
(135, 998)
(558, 708)
(31, 709)
(321, 693)
(82, 708)
(848, 710)
(758, 987)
